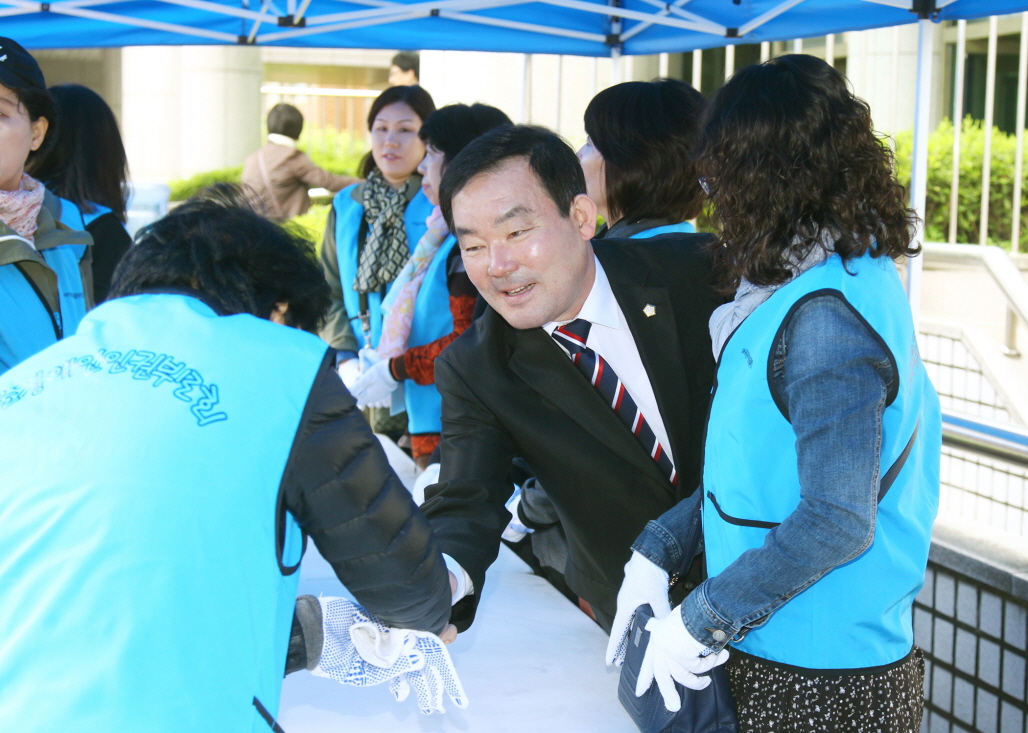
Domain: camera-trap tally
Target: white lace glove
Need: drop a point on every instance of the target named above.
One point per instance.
(349, 372)
(673, 655)
(360, 650)
(645, 582)
(436, 676)
(374, 386)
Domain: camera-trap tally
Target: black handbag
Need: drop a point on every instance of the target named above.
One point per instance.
(710, 710)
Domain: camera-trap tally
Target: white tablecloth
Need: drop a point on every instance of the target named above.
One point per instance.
(531, 662)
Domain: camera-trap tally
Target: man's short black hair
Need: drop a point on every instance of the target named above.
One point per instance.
(218, 245)
(549, 156)
(449, 129)
(285, 119)
(408, 61)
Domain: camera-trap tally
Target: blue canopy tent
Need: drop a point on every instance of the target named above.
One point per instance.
(572, 27)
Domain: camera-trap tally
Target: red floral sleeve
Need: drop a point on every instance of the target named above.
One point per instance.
(418, 362)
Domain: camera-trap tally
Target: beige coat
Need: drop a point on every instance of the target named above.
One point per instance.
(290, 173)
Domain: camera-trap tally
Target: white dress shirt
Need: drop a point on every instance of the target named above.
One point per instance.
(611, 338)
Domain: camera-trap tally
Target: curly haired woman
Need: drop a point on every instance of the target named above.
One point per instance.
(821, 466)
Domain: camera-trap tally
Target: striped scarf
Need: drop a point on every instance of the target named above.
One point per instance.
(386, 249)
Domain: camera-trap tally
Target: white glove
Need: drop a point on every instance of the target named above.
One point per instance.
(515, 530)
(349, 372)
(432, 679)
(673, 655)
(374, 385)
(425, 479)
(645, 582)
(360, 650)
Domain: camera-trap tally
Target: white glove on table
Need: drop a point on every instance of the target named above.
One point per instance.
(515, 530)
(374, 385)
(673, 655)
(349, 372)
(360, 650)
(645, 582)
(436, 676)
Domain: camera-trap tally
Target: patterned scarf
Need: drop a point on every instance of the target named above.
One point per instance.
(20, 209)
(386, 249)
(399, 303)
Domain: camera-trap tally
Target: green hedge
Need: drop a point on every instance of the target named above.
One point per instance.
(972, 155)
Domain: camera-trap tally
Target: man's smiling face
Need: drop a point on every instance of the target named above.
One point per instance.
(531, 262)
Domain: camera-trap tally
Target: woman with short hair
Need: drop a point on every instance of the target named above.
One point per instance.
(637, 158)
(821, 460)
(372, 230)
(432, 301)
(45, 267)
(86, 167)
(281, 174)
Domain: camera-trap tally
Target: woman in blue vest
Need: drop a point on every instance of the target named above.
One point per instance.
(432, 301)
(637, 158)
(45, 269)
(821, 460)
(87, 168)
(194, 443)
(372, 230)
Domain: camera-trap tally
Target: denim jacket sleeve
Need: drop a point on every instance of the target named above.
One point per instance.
(835, 376)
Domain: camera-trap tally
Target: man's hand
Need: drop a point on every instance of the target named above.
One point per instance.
(644, 583)
(673, 655)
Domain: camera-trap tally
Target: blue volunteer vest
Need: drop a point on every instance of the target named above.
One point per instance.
(26, 326)
(75, 218)
(680, 228)
(143, 588)
(859, 614)
(348, 221)
(431, 321)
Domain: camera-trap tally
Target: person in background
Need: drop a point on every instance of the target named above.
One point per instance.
(637, 158)
(372, 230)
(86, 167)
(821, 462)
(45, 267)
(281, 174)
(432, 301)
(173, 606)
(405, 69)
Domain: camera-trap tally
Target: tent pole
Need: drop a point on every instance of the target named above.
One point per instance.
(830, 49)
(560, 79)
(729, 62)
(697, 69)
(615, 66)
(919, 167)
(958, 122)
(525, 110)
(765, 51)
(1022, 93)
(665, 65)
(990, 108)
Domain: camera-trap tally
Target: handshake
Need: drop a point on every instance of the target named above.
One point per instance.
(358, 649)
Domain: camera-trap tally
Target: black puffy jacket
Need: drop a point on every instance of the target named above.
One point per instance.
(344, 495)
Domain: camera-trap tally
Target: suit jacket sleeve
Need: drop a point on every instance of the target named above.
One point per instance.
(466, 508)
(340, 488)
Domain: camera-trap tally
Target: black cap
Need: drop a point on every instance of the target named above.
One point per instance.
(18, 70)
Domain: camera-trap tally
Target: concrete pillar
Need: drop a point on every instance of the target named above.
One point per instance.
(191, 109)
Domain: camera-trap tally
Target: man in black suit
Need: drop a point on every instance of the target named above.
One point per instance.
(630, 316)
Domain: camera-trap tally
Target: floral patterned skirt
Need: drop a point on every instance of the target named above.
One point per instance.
(772, 699)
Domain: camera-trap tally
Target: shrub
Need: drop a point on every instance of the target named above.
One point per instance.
(311, 226)
(183, 188)
(972, 155)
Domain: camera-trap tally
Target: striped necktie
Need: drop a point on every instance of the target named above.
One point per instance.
(573, 336)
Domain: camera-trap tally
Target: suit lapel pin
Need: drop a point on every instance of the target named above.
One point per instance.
(649, 310)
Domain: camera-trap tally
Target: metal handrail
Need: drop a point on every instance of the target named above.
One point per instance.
(1003, 271)
(982, 436)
